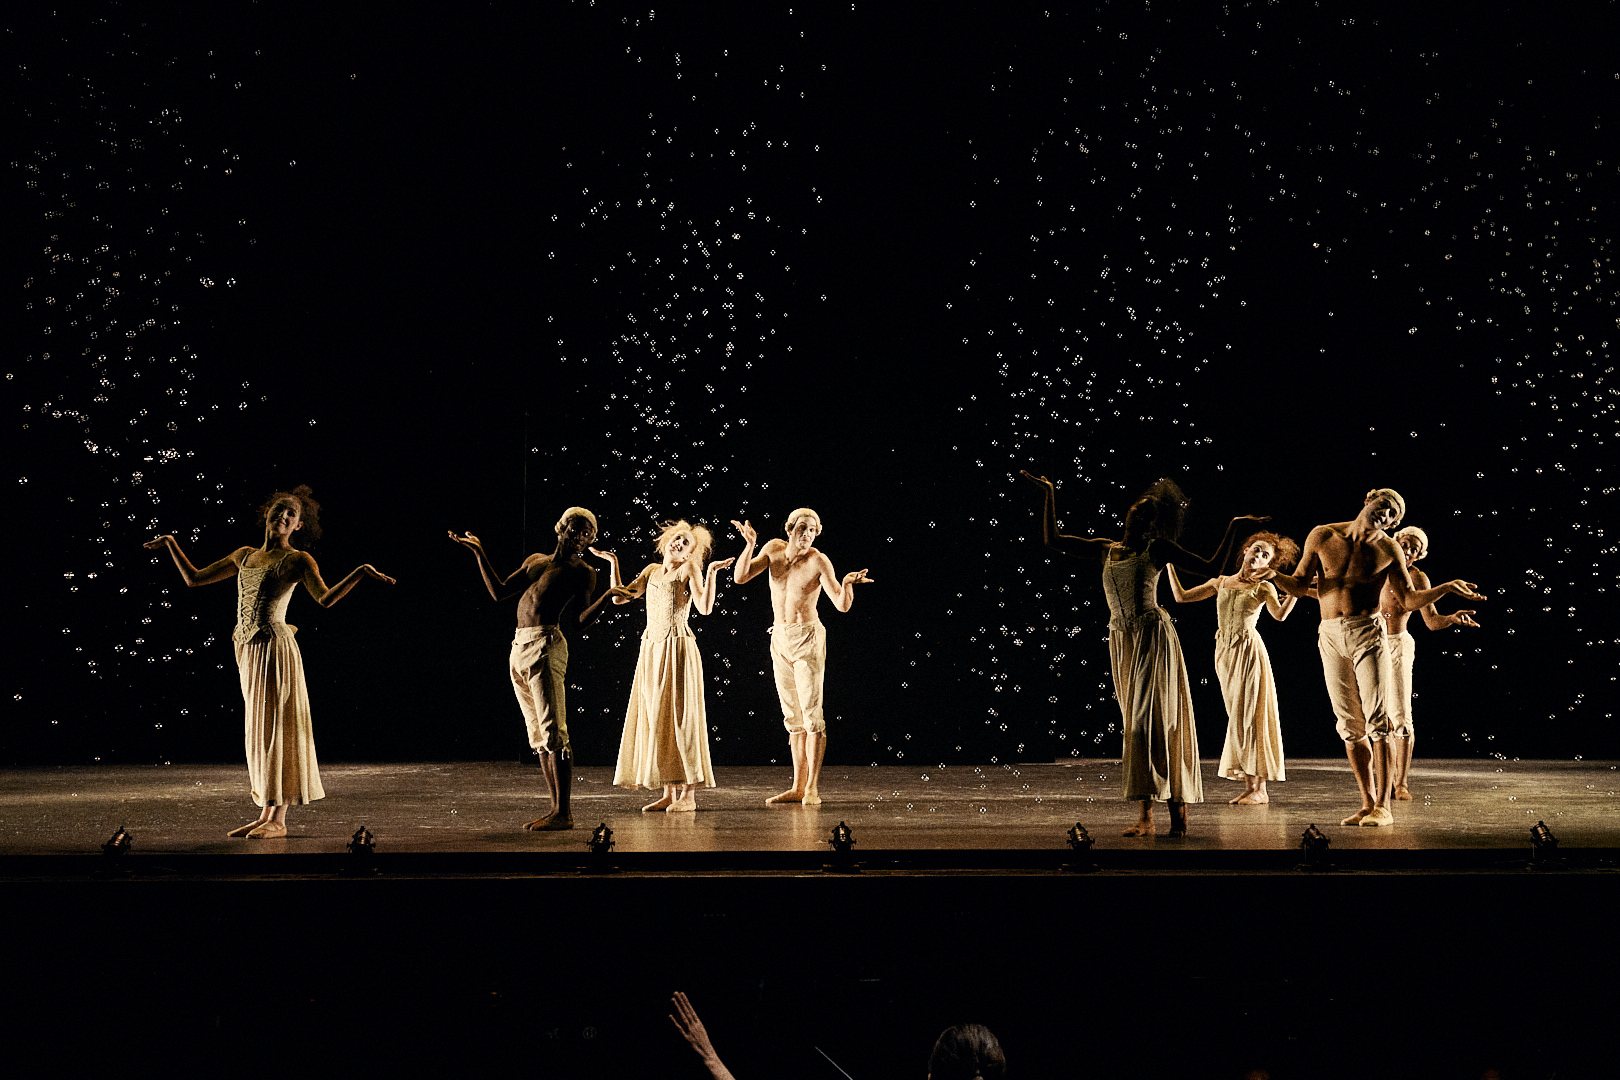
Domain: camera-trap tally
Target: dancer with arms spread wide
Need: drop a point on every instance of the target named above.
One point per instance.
(666, 728)
(1160, 759)
(538, 663)
(1254, 751)
(280, 740)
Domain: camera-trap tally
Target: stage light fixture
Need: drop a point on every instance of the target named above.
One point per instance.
(118, 844)
(1543, 847)
(1080, 843)
(843, 857)
(601, 842)
(1313, 846)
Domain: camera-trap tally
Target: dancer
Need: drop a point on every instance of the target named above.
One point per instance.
(1160, 759)
(1253, 752)
(962, 1051)
(1353, 562)
(1414, 543)
(538, 663)
(799, 574)
(666, 732)
(279, 738)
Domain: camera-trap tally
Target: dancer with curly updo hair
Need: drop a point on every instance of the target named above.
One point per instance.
(666, 729)
(280, 741)
(1253, 752)
(1160, 759)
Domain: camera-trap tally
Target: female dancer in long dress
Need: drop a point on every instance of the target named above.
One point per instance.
(282, 769)
(1253, 752)
(666, 731)
(1160, 759)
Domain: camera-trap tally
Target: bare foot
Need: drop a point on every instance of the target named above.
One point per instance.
(245, 829)
(1402, 794)
(1252, 798)
(1141, 828)
(658, 804)
(1355, 818)
(812, 799)
(790, 795)
(268, 830)
(552, 823)
(1378, 815)
(1178, 820)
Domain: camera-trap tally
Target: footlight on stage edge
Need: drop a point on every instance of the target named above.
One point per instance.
(362, 853)
(118, 844)
(1080, 843)
(1543, 847)
(600, 846)
(1314, 847)
(843, 858)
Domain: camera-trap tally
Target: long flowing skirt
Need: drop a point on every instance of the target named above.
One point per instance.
(1160, 759)
(1253, 730)
(666, 730)
(280, 739)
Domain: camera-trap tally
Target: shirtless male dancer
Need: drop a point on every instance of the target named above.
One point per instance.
(539, 659)
(799, 574)
(1414, 543)
(1353, 562)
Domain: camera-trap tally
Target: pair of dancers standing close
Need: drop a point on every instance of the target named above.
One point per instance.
(1352, 568)
(665, 729)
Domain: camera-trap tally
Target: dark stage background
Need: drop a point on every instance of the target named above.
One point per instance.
(463, 269)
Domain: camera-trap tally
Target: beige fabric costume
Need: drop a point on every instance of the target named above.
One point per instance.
(1401, 647)
(1253, 730)
(666, 729)
(1160, 759)
(1355, 664)
(799, 663)
(279, 738)
(539, 667)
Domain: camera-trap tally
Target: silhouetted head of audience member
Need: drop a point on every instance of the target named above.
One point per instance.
(967, 1052)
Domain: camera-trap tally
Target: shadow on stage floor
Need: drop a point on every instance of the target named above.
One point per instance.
(1430, 950)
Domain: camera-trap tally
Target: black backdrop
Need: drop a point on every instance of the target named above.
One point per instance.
(463, 270)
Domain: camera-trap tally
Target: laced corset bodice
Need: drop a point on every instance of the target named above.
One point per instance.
(1131, 585)
(668, 604)
(1238, 610)
(261, 601)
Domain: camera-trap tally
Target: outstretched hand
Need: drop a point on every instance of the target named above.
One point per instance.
(1260, 518)
(1462, 618)
(747, 530)
(1038, 481)
(685, 1019)
(856, 577)
(160, 542)
(1463, 588)
(469, 541)
(721, 564)
(606, 556)
(372, 572)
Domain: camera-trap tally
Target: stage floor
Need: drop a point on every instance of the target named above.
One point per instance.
(461, 808)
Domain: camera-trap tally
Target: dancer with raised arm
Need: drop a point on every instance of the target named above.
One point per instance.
(280, 740)
(1414, 543)
(538, 663)
(799, 575)
(1353, 562)
(666, 728)
(1254, 751)
(1160, 759)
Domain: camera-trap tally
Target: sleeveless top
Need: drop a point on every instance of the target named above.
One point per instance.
(1131, 586)
(261, 603)
(1237, 611)
(668, 603)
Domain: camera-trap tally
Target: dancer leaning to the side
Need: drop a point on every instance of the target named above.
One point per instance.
(1414, 544)
(538, 663)
(799, 575)
(280, 741)
(1353, 562)
(1160, 759)
(1254, 751)
(666, 728)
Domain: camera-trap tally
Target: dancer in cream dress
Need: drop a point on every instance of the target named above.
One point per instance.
(1253, 752)
(280, 741)
(666, 729)
(1160, 758)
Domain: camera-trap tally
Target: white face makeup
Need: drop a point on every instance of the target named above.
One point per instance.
(1411, 549)
(1381, 514)
(1258, 556)
(679, 548)
(803, 534)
